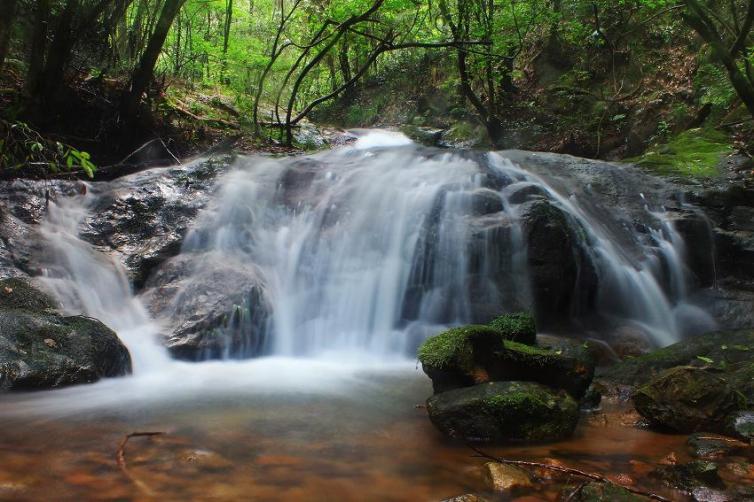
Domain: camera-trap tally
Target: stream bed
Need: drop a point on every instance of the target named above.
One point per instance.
(281, 429)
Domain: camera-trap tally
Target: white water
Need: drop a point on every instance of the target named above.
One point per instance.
(341, 250)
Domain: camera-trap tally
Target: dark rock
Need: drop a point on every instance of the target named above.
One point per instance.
(687, 477)
(504, 411)
(485, 201)
(426, 135)
(688, 399)
(711, 446)
(467, 355)
(524, 192)
(41, 349)
(557, 267)
(468, 497)
(728, 348)
(606, 492)
(215, 308)
(18, 293)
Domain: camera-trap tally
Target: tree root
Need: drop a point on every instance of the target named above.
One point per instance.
(566, 470)
(120, 458)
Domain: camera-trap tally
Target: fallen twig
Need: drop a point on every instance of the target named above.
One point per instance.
(566, 470)
(120, 458)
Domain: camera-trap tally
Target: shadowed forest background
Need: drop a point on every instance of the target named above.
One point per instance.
(85, 83)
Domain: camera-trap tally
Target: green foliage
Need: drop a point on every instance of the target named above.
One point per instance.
(21, 147)
(694, 153)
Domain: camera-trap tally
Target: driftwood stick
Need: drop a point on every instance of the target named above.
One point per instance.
(566, 470)
(120, 458)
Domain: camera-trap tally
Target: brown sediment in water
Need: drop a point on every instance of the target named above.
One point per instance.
(373, 445)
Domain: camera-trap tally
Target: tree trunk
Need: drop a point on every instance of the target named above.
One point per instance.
(8, 8)
(144, 71)
(38, 46)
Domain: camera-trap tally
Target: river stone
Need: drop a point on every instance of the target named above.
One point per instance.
(743, 425)
(606, 492)
(688, 399)
(503, 477)
(504, 411)
(42, 349)
(711, 446)
(690, 476)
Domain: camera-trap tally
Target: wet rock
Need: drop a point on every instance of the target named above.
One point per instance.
(429, 136)
(504, 411)
(215, 307)
(502, 477)
(464, 356)
(706, 494)
(742, 424)
(722, 348)
(606, 492)
(557, 266)
(485, 201)
(468, 497)
(629, 341)
(711, 446)
(690, 476)
(40, 348)
(524, 192)
(144, 217)
(688, 399)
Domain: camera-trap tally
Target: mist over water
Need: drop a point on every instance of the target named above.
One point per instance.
(361, 253)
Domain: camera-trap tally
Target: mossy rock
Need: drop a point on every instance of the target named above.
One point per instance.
(459, 356)
(606, 492)
(694, 153)
(504, 411)
(688, 399)
(468, 355)
(518, 327)
(720, 350)
(16, 293)
(41, 349)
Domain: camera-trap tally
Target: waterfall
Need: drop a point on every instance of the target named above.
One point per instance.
(373, 247)
(90, 282)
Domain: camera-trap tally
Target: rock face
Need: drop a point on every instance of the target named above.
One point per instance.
(504, 411)
(41, 349)
(220, 312)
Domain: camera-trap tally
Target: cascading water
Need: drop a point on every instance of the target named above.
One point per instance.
(373, 247)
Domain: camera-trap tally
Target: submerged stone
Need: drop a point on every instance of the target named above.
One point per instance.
(710, 446)
(606, 492)
(690, 476)
(504, 411)
(502, 477)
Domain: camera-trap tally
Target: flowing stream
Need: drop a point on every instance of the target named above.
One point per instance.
(359, 254)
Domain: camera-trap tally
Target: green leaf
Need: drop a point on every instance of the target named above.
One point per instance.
(705, 359)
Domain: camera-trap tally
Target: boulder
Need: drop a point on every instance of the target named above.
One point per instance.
(517, 327)
(558, 269)
(215, 307)
(689, 399)
(504, 411)
(468, 355)
(688, 477)
(40, 349)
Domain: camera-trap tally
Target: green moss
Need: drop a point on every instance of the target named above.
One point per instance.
(453, 347)
(694, 153)
(519, 326)
(19, 294)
